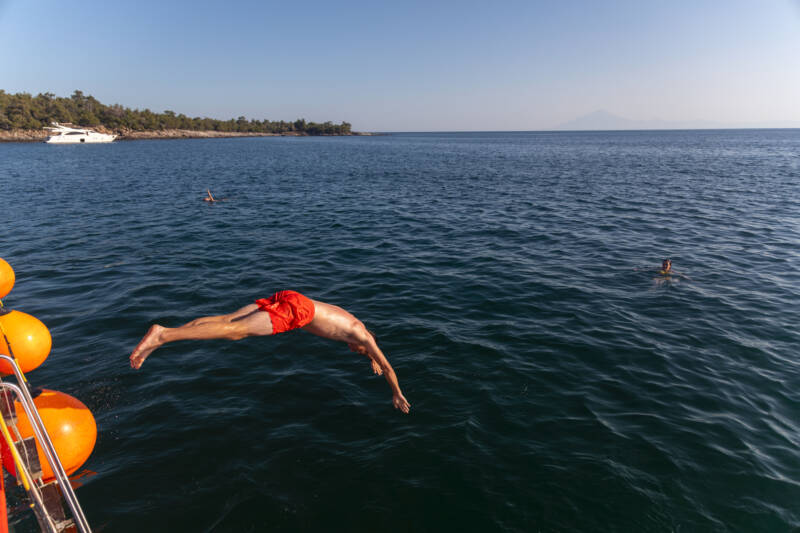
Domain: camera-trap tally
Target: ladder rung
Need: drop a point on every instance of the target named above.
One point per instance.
(27, 450)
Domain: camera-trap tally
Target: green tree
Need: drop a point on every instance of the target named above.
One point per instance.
(87, 118)
(22, 110)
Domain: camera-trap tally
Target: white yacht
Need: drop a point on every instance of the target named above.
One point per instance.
(65, 134)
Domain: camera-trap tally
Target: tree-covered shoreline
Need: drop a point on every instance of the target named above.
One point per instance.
(23, 111)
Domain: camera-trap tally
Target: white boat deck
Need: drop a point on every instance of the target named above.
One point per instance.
(63, 134)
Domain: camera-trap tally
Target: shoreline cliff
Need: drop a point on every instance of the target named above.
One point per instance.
(21, 135)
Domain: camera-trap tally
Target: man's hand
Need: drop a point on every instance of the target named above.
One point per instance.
(401, 403)
(376, 368)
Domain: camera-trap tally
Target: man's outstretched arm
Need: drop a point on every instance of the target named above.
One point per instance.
(333, 322)
(376, 355)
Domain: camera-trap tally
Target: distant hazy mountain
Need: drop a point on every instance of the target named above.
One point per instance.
(603, 120)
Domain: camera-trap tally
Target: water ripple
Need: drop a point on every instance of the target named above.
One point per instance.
(557, 382)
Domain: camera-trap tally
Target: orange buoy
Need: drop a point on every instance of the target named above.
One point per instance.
(29, 338)
(6, 278)
(71, 427)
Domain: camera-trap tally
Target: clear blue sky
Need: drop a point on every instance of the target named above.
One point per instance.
(415, 66)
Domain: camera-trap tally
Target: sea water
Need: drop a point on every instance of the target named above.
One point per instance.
(557, 381)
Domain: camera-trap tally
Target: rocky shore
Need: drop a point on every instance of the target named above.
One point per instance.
(126, 134)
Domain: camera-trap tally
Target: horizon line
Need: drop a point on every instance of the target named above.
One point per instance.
(583, 131)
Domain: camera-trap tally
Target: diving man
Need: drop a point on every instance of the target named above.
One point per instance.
(283, 311)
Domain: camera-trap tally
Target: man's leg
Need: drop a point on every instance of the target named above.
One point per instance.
(246, 322)
(244, 311)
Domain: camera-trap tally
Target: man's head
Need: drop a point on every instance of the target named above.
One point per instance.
(666, 265)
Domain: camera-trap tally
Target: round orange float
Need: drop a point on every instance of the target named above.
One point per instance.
(29, 338)
(71, 427)
(7, 278)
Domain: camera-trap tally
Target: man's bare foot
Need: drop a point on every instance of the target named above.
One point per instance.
(376, 368)
(149, 342)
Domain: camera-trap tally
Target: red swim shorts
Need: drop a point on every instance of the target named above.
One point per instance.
(288, 310)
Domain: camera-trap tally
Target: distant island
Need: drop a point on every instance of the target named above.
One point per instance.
(22, 117)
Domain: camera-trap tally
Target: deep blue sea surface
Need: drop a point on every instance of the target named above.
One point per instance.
(557, 382)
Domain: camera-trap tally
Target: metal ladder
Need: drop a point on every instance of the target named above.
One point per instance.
(44, 497)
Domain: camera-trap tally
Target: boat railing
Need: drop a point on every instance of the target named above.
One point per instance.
(43, 438)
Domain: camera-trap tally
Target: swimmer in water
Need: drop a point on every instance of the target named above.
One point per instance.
(283, 311)
(210, 198)
(667, 274)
